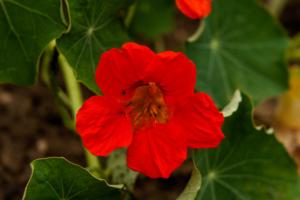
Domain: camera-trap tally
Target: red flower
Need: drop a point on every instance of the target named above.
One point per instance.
(149, 106)
(194, 9)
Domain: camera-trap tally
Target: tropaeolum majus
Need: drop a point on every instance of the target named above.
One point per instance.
(194, 9)
(149, 106)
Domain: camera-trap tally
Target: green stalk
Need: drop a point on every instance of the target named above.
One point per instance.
(73, 88)
(198, 32)
(130, 14)
(75, 97)
(194, 184)
(276, 6)
(192, 187)
(47, 58)
(293, 53)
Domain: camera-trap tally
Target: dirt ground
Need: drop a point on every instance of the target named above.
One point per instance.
(31, 127)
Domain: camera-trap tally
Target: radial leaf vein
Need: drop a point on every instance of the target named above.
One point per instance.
(13, 29)
(31, 10)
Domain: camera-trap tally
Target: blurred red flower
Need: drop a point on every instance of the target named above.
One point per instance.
(149, 106)
(194, 9)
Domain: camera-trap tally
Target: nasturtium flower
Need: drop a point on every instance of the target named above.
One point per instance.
(194, 9)
(149, 106)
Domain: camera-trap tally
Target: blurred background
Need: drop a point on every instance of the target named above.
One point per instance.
(31, 125)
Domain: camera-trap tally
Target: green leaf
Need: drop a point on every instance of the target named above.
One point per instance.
(243, 48)
(27, 26)
(153, 17)
(121, 174)
(249, 164)
(95, 28)
(57, 178)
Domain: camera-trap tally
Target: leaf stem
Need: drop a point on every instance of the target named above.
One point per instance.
(276, 6)
(293, 53)
(72, 86)
(193, 186)
(75, 97)
(46, 61)
(198, 32)
(130, 14)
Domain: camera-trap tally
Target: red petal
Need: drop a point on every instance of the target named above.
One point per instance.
(201, 120)
(119, 69)
(102, 125)
(194, 9)
(175, 74)
(156, 152)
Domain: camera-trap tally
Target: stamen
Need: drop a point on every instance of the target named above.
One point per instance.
(147, 106)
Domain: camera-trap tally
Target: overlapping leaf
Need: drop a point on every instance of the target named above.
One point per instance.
(27, 26)
(121, 174)
(248, 165)
(56, 178)
(95, 28)
(242, 47)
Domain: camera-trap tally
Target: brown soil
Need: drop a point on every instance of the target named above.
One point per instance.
(30, 128)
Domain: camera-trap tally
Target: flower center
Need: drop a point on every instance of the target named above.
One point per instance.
(148, 106)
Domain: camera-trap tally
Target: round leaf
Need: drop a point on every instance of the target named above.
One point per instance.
(27, 26)
(249, 164)
(95, 28)
(242, 47)
(57, 178)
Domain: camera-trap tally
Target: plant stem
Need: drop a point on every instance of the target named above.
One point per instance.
(75, 97)
(293, 53)
(72, 86)
(130, 14)
(192, 187)
(198, 32)
(276, 6)
(47, 58)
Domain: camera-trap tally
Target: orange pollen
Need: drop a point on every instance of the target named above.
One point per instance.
(148, 106)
